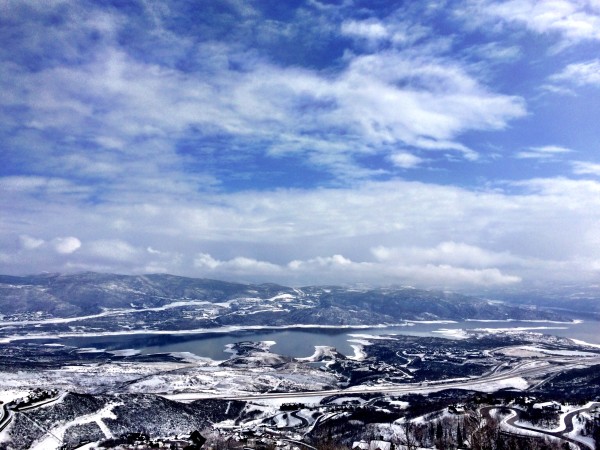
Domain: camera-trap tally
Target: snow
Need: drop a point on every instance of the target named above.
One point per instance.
(432, 322)
(372, 337)
(107, 312)
(49, 440)
(89, 350)
(400, 404)
(90, 446)
(321, 352)
(492, 386)
(342, 400)
(189, 357)
(278, 401)
(226, 304)
(586, 344)
(524, 321)
(285, 420)
(281, 297)
(359, 352)
(516, 329)
(13, 394)
(578, 435)
(453, 333)
(125, 352)
(565, 410)
(558, 352)
(229, 349)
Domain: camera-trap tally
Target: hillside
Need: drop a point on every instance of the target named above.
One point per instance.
(54, 302)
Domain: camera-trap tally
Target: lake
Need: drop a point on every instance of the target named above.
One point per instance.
(300, 342)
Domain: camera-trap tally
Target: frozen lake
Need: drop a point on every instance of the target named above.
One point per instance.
(300, 342)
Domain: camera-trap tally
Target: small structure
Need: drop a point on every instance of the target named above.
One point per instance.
(360, 445)
(380, 445)
(547, 406)
(457, 408)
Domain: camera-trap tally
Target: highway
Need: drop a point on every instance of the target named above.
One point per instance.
(528, 369)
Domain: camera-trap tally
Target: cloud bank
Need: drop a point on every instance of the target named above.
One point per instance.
(421, 143)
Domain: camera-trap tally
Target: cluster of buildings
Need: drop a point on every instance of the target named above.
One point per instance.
(373, 445)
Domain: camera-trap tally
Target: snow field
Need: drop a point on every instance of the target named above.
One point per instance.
(49, 441)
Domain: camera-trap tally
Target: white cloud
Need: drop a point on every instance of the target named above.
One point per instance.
(586, 168)
(66, 245)
(376, 232)
(30, 243)
(204, 260)
(447, 254)
(406, 160)
(368, 29)
(36, 184)
(548, 152)
(112, 249)
(131, 179)
(393, 30)
(321, 262)
(573, 20)
(238, 266)
(332, 269)
(497, 52)
(403, 271)
(390, 97)
(580, 74)
(456, 277)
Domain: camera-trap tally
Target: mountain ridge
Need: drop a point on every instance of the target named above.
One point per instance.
(91, 293)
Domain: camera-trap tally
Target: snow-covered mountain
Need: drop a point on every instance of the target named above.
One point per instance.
(171, 302)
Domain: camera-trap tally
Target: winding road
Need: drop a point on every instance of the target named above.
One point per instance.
(517, 414)
(6, 417)
(8, 413)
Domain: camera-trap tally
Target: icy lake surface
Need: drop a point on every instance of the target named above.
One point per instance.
(300, 342)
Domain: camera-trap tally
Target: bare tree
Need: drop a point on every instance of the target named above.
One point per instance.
(409, 440)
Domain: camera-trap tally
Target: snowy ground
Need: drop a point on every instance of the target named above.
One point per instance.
(50, 440)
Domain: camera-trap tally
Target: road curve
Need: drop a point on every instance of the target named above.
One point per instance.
(562, 434)
(6, 417)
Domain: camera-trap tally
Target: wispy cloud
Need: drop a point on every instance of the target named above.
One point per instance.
(387, 232)
(586, 168)
(544, 153)
(274, 142)
(406, 160)
(367, 29)
(117, 106)
(579, 74)
(573, 20)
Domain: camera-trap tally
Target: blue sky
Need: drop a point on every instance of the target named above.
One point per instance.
(438, 144)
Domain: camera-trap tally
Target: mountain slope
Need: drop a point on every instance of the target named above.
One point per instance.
(172, 302)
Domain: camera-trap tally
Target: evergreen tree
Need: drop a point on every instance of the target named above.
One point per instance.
(459, 436)
(439, 435)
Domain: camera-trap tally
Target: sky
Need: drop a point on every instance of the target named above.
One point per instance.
(448, 144)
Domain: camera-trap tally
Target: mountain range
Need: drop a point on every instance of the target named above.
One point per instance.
(161, 300)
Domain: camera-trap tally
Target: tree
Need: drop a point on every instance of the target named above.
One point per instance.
(409, 439)
(439, 435)
(459, 436)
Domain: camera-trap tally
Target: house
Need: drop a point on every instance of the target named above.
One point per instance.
(380, 445)
(547, 406)
(457, 408)
(360, 445)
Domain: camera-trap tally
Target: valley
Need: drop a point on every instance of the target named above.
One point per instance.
(189, 358)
